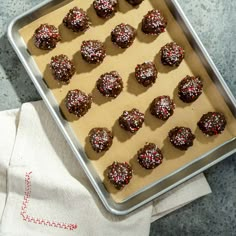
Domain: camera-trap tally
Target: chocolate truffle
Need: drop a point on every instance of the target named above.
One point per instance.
(119, 174)
(110, 84)
(134, 2)
(181, 137)
(123, 35)
(146, 73)
(100, 139)
(162, 107)
(150, 156)
(172, 54)
(212, 123)
(190, 88)
(77, 20)
(132, 120)
(77, 102)
(154, 23)
(93, 51)
(46, 37)
(105, 8)
(62, 68)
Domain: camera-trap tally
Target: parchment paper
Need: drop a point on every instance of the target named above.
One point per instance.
(105, 112)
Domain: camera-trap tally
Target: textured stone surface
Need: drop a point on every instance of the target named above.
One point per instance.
(214, 21)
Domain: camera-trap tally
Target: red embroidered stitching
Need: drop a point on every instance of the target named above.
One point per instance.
(33, 219)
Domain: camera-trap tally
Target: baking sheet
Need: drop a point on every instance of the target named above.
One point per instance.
(105, 112)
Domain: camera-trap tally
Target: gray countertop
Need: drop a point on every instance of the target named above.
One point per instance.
(215, 23)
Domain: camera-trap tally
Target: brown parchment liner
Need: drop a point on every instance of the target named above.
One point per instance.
(105, 112)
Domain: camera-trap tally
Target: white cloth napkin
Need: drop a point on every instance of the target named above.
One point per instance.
(44, 191)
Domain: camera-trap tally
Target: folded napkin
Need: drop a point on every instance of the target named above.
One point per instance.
(44, 191)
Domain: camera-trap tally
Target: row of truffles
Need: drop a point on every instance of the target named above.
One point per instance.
(211, 123)
(150, 156)
(47, 36)
(93, 51)
(111, 84)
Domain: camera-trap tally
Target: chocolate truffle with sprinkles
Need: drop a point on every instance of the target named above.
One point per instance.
(181, 137)
(132, 120)
(93, 51)
(105, 8)
(154, 23)
(150, 156)
(119, 174)
(46, 37)
(190, 88)
(172, 54)
(123, 35)
(110, 84)
(62, 68)
(162, 107)
(212, 123)
(100, 139)
(78, 102)
(77, 20)
(146, 73)
(134, 2)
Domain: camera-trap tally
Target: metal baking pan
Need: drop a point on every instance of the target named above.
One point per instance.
(161, 186)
